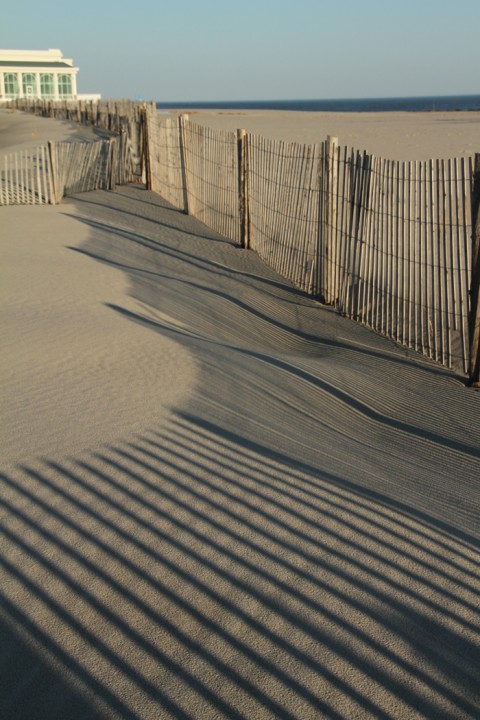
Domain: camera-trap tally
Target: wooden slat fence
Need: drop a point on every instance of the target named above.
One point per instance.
(474, 318)
(402, 250)
(80, 167)
(45, 174)
(196, 169)
(165, 173)
(25, 177)
(210, 158)
(283, 206)
(387, 243)
(121, 117)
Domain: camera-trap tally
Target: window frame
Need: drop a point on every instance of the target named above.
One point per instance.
(10, 80)
(65, 85)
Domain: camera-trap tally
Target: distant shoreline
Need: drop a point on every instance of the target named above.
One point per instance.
(447, 103)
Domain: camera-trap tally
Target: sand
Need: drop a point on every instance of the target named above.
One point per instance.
(219, 499)
(391, 135)
(19, 130)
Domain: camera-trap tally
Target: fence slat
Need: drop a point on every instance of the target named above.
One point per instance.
(474, 317)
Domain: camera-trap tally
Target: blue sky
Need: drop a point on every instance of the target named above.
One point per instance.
(256, 49)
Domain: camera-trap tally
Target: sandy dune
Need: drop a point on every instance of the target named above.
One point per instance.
(219, 499)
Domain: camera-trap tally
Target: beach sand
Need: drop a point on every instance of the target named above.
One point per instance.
(19, 130)
(391, 135)
(218, 498)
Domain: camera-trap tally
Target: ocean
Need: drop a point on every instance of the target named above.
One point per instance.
(413, 104)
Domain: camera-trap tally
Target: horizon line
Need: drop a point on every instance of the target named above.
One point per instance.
(322, 99)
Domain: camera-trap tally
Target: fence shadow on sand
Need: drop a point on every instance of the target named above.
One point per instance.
(271, 549)
(192, 573)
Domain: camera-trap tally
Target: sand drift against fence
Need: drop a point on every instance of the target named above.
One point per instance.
(220, 499)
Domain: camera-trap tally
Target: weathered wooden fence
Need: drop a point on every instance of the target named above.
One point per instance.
(196, 169)
(210, 162)
(387, 243)
(284, 181)
(46, 174)
(474, 316)
(398, 249)
(165, 174)
(26, 177)
(123, 117)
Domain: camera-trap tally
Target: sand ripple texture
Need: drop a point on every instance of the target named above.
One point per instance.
(73, 373)
(219, 499)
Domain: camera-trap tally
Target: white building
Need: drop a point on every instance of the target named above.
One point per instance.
(41, 74)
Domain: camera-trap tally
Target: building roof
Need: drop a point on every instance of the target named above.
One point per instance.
(26, 64)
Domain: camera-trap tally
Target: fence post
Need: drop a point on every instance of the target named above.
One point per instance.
(146, 147)
(243, 188)
(182, 121)
(112, 163)
(329, 225)
(474, 318)
(52, 176)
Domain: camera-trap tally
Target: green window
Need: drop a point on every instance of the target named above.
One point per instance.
(11, 85)
(64, 85)
(29, 84)
(47, 87)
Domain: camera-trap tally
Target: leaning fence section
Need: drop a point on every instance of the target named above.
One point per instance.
(46, 174)
(387, 243)
(399, 244)
(25, 177)
(80, 167)
(210, 158)
(283, 182)
(165, 172)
